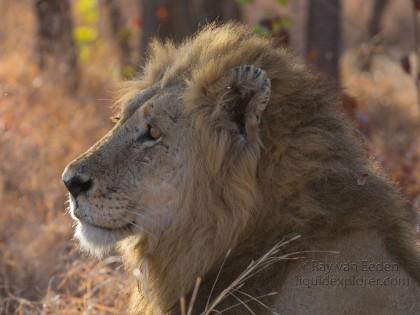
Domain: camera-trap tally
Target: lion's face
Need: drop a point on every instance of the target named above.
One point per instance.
(172, 161)
(128, 182)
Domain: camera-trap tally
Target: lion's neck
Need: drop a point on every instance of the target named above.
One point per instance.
(170, 271)
(195, 246)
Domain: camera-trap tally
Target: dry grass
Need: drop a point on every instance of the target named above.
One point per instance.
(234, 289)
(40, 268)
(42, 128)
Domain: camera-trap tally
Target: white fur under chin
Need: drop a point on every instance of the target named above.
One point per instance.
(96, 241)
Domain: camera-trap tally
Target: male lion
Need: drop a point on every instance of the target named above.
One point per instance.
(226, 143)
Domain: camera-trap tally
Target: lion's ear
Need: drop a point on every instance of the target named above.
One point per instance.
(248, 93)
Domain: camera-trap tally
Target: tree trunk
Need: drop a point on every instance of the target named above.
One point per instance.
(206, 11)
(120, 34)
(376, 17)
(323, 36)
(177, 19)
(55, 45)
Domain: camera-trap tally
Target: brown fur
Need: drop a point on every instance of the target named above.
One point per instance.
(305, 175)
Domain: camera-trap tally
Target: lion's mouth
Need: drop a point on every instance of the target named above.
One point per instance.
(99, 240)
(76, 215)
(126, 228)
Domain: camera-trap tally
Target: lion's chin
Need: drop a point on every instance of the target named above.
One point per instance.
(98, 241)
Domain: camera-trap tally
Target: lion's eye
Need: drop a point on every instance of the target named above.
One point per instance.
(153, 132)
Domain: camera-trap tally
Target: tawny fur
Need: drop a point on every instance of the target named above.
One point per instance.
(305, 175)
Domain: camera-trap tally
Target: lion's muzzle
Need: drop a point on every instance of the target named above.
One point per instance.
(76, 185)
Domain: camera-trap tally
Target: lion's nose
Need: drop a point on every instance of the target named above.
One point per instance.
(76, 185)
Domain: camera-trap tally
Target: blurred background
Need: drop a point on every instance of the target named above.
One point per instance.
(59, 61)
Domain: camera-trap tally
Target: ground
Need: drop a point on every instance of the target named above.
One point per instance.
(42, 127)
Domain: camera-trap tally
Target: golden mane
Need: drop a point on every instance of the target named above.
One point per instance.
(303, 176)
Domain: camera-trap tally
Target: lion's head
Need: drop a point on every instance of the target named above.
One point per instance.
(129, 182)
(194, 160)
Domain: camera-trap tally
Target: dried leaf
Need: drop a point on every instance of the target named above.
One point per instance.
(162, 13)
(313, 55)
(136, 22)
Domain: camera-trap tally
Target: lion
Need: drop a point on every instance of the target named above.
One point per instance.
(223, 147)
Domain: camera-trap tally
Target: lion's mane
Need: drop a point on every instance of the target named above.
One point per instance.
(307, 176)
